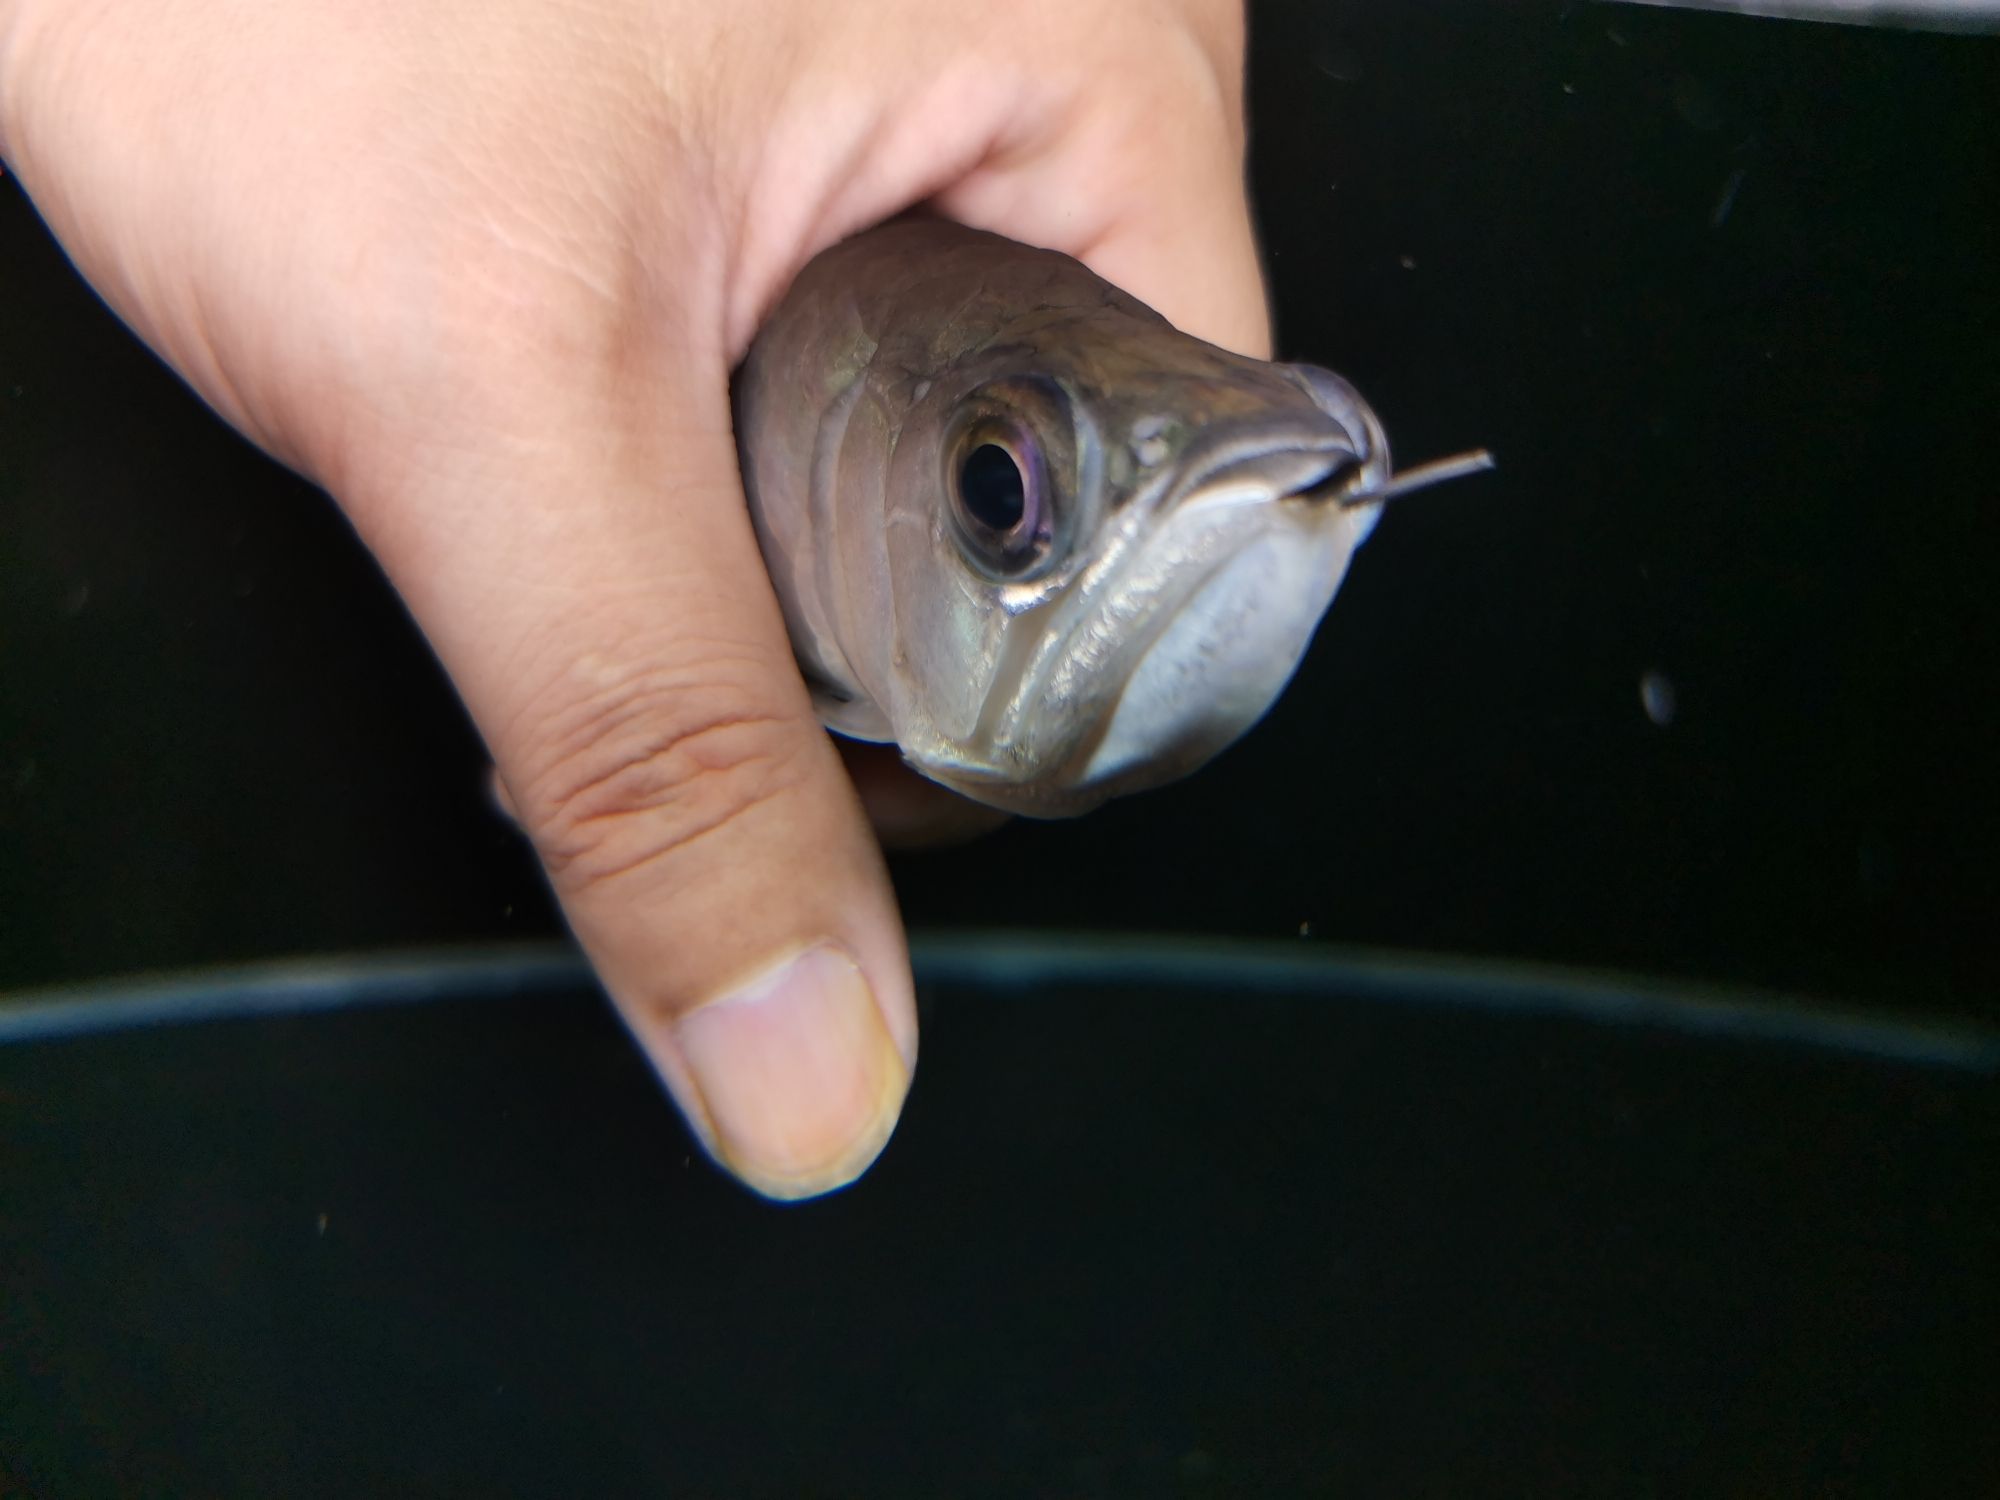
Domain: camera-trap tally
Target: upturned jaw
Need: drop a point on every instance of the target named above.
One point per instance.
(1181, 644)
(1210, 616)
(1208, 582)
(1257, 557)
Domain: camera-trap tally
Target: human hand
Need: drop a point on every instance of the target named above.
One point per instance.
(481, 268)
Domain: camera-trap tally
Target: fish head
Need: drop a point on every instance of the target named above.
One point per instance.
(1110, 554)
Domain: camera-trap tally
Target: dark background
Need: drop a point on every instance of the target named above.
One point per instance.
(1722, 296)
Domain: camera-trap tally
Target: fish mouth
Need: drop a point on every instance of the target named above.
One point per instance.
(1327, 473)
(1185, 628)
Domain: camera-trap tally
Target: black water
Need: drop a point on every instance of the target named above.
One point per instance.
(1369, 1237)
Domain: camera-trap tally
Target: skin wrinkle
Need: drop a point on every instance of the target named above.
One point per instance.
(666, 794)
(610, 705)
(551, 251)
(593, 697)
(708, 747)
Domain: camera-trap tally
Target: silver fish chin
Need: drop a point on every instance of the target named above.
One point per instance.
(1170, 648)
(1054, 549)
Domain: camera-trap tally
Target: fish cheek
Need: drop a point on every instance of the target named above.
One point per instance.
(946, 624)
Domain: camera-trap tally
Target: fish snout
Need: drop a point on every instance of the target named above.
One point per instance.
(1339, 400)
(1309, 463)
(1345, 407)
(1330, 453)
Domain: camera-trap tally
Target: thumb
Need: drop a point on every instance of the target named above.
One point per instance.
(614, 634)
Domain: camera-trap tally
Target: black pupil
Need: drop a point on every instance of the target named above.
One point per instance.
(990, 485)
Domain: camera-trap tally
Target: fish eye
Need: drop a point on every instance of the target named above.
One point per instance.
(1012, 476)
(992, 488)
(1000, 498)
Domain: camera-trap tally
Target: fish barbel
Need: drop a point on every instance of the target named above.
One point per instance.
(1053, 548)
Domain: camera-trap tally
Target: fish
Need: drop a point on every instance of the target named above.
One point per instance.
(1050, 546)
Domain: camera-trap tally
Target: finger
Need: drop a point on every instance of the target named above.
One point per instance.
(612, 629)
(502, 799)
(1191, 254)
(906, 810)
(1182, 239)
(1147, 188)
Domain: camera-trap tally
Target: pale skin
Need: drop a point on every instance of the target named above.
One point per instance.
(481, 269)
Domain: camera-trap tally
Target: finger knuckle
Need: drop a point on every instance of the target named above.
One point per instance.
(640, 774)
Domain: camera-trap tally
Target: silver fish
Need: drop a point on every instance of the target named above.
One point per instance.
(1050, 546)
